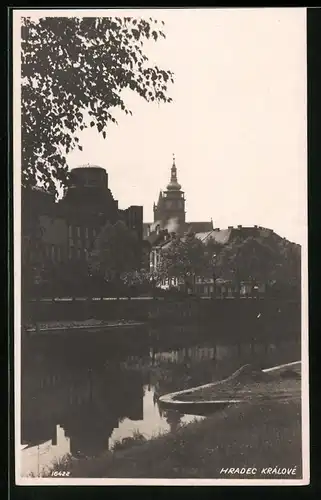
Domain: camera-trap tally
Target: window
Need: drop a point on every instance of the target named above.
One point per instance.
(71, 241)
(86, 233)
(70, 253)
(78, 253)
(53, 254)
(78, 231)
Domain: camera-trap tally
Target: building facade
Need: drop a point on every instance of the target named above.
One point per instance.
(59, 236)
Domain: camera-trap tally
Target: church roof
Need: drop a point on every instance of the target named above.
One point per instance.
(220, 236)
(203, 236)
(199, 227)
(195, 227)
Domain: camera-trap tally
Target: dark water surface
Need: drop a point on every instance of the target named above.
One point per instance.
(84, 397)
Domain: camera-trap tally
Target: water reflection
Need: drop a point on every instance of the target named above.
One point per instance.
(35, 458)
(153, 421)
(99, 397)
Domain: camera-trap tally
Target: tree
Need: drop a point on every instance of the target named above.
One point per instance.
(115, 252)
(73, 73)
(287, 273)
(33, 202)
(213, 250)
(32, 265)
(184, 259)
(259, 260)
(248, 259)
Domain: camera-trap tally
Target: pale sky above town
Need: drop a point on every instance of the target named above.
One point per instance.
(237, 124)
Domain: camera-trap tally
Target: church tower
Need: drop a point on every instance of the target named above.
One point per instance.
(171, 202)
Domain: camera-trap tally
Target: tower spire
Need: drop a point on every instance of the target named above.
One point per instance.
(174, 185)
(173, 170)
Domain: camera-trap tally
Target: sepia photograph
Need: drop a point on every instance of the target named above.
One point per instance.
(160, 246)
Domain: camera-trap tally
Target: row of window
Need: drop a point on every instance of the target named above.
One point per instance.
(80, 237)
(77, 231)
(57, 254)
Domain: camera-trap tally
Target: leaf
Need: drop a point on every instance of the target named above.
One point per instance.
(70, 73)
(80, 148)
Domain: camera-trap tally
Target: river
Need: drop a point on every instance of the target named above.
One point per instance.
(85, 399)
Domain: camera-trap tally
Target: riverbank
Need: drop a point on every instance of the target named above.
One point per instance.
(265, 386)
(257, 318)
(259, 435)
(52, 326)
(246, 384)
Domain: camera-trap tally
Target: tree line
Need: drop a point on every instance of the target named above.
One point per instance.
(255, 260)
(116, 263)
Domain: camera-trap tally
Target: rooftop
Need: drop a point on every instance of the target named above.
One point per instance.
(220, 236)
(88, 167)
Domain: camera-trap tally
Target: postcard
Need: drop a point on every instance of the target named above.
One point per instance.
(160, 247)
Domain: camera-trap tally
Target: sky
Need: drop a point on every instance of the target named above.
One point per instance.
(237, 123)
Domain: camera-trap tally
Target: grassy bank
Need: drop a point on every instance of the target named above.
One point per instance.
(248, 435)
(248, 384)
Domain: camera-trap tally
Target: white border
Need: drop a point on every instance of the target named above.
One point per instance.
(17, 14)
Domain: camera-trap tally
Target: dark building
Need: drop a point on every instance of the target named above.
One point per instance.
(133, 217)
(88, 193)
(59, 235)
(89, 205)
